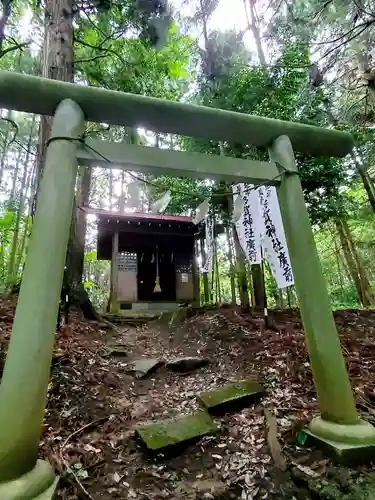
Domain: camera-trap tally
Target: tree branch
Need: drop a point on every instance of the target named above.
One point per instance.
(15, 133)
(100, 49)
(12, 48)
(79, 61)
(364, 28)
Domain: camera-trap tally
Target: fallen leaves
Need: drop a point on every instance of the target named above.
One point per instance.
(94, 403)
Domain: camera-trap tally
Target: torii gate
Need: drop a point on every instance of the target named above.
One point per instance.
(25, 379)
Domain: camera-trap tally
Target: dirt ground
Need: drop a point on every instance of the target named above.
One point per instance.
(95, 402)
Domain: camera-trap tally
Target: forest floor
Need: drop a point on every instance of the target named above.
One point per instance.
(95, 402)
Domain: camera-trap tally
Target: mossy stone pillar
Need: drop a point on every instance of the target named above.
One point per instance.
(339, 420)
(24, 384)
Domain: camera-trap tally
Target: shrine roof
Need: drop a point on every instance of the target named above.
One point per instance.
(102, 214)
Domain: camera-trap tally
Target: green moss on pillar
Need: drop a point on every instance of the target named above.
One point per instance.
(331, 379)
(26, 373)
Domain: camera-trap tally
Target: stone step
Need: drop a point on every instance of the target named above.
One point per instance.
(230, 398)
(166, 434)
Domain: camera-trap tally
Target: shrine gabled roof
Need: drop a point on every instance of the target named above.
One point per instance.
(102, 214)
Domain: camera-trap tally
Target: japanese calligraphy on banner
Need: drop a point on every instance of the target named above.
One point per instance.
(207, 267)
(261, 225)
(274, 241)
(248, 224)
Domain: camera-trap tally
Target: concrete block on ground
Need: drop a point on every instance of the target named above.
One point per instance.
(145, 366)
(165, 434)
(231, 398)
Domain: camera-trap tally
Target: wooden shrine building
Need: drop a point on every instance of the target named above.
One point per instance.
(152, 258)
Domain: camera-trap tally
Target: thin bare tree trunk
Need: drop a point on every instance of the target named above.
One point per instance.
(206, 288)
(366, 181)
(241, 273)
(12, 196)
(254, 27)
(338, 263)
(31, 183)
(256, 269)
(365, 285)
(231, 267)
(364, 293)
(12, 270)
(83, 195)
(5, 151)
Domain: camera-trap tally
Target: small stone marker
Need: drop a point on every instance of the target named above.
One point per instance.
(186, 364)
(176, 431)
(145, 366)
(230, 398)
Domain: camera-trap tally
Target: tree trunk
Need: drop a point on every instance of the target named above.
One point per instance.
(258, 287)
(218, 285)
(12, 196)
(349, 260)
(338, 263)
(12, 270)
(367, 184)
(364, 293)
(5, 151)
(365, 285)
(31, 183)
(58, 65)
(4, 18)
(206, 288)
(241, 273)
(57, 58)
(83, 196)
(231, 267)
(256, 270)
(368, 187)
(253, 25)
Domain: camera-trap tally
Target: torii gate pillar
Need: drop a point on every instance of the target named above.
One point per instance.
(339, 426)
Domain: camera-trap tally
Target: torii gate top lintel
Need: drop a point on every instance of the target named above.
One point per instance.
(42, 96)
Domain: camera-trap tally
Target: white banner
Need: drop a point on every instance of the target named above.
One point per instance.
(274, 241)
(248, 225)
(208, 265)
(260, 225)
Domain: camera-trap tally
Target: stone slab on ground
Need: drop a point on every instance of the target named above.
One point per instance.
(163, 435)
(341, 453)
(186, 364)
(114, 350)
(145, 366)
(230, 398)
